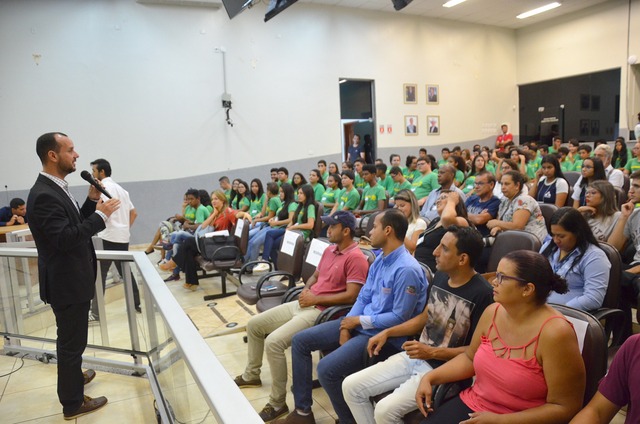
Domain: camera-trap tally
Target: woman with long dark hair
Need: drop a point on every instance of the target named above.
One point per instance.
(575, 255)
(592, 170)
(241, 201)
(303, 220)
(524, 355)
(620, 154)
(549, 185)
(315, 179)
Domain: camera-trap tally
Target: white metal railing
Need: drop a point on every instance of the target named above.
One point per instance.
(224, 399)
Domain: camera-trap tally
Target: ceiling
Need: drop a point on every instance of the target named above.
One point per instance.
(500, 13)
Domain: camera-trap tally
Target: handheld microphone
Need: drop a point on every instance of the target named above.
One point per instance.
(89, 178)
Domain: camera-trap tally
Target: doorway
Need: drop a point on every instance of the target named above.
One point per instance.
(357, 115)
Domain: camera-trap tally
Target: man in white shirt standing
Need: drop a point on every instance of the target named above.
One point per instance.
(117, 232)
(615, 176)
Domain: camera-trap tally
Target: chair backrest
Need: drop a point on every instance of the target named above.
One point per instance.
(427, 271)
(593, 346)
(569, 201)
(611, 298)
(291, 254)
(621, 196)
(317, 227)
(368, 253)
(626, 184)
(371, 220)
(547, 210)
(314, 252)
(508, 241)
(241, 232)
(572, 177)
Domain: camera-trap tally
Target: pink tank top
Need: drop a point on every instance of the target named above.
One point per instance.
(504, 384)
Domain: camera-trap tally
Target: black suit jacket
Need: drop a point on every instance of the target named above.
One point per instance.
(66, 258)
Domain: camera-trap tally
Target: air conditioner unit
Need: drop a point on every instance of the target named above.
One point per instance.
(213, 4)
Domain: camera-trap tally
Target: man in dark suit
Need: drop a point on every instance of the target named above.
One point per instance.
(62, 231)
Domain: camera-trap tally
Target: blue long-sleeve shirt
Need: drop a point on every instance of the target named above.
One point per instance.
(587, 279)
(395, 292)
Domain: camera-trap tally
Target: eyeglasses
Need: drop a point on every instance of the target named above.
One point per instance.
(479, 183)
(500, 278)
(592, 192)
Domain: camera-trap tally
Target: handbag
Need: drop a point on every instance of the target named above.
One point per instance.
(218, 247)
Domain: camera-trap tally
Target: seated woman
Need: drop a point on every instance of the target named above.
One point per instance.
(270, 206)
(222, 218)
(315, 179)
(297, 181)
(460, 166)
(282, 217)
(408, 204)
(241, 201)
(549, 185)
(332, 192)
(505, 165)
(333, 168)
(517, 211)
(592, 170)
(478, 165)
(574, 255)
(451, 211)
(524, 355)
(303, 219)
(601, 209)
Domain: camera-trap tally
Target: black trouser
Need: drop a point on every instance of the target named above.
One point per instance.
(452, 411)
(104, 269)
(73, 327)
(186, 260)
(629, 298)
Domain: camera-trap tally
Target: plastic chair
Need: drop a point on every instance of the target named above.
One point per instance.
(609, 313)
(547, 210)
(572, 177)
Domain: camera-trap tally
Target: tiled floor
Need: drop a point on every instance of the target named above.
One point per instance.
(28, 387)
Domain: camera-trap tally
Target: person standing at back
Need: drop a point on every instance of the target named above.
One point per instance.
(116, 235)
(62, 231)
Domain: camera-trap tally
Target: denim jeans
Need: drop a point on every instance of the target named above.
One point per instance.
(255, 242)
(271, 240)
(332, 369)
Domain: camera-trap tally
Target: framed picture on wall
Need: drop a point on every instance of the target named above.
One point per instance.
(595, 103)
(411, 125)
(433, 123)
(410, 92)
(585, 102)
(595, 127)
(433, 94)
(584, 127)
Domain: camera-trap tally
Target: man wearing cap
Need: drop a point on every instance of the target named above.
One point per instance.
(338, 278)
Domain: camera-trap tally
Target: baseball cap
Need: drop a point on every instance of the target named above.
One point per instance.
(345, 218)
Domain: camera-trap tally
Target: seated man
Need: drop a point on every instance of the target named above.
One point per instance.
(338, 279)
(14, 214)
(605, 154)
(373, 196)
(446, 179)
(399, 183)
(425, 182)
(456, 299)
(395, 292)
(620, 387)
(627, 230)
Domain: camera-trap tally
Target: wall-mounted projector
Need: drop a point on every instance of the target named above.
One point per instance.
(400, 4)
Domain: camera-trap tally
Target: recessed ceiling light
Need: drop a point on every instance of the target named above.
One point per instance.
(539, 10)
(452, 3)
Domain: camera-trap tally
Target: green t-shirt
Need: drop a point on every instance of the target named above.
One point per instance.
(292, 208)
(632, 165)
(491, 168)
(280, 182)
(552, 150)
(577, 165)
(442, 162)
(566, 165)
(371, 197)
(359, 182)
(424, 184)
(325, 176)
(274, 204)
(329, 196)
(238, 206)
(227, 194)
(348, 200)
(255, 207)
(196, 216)
(406, 185)
(311, 214)
(411, 175)
(318, 191)
(459, 176)
(387, 184)
(467, 186)
(209, 208)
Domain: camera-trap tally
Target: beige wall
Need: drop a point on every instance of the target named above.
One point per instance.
(594, 39)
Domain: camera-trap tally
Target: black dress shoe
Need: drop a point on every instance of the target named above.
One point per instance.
(88, 376)
(89, 405)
